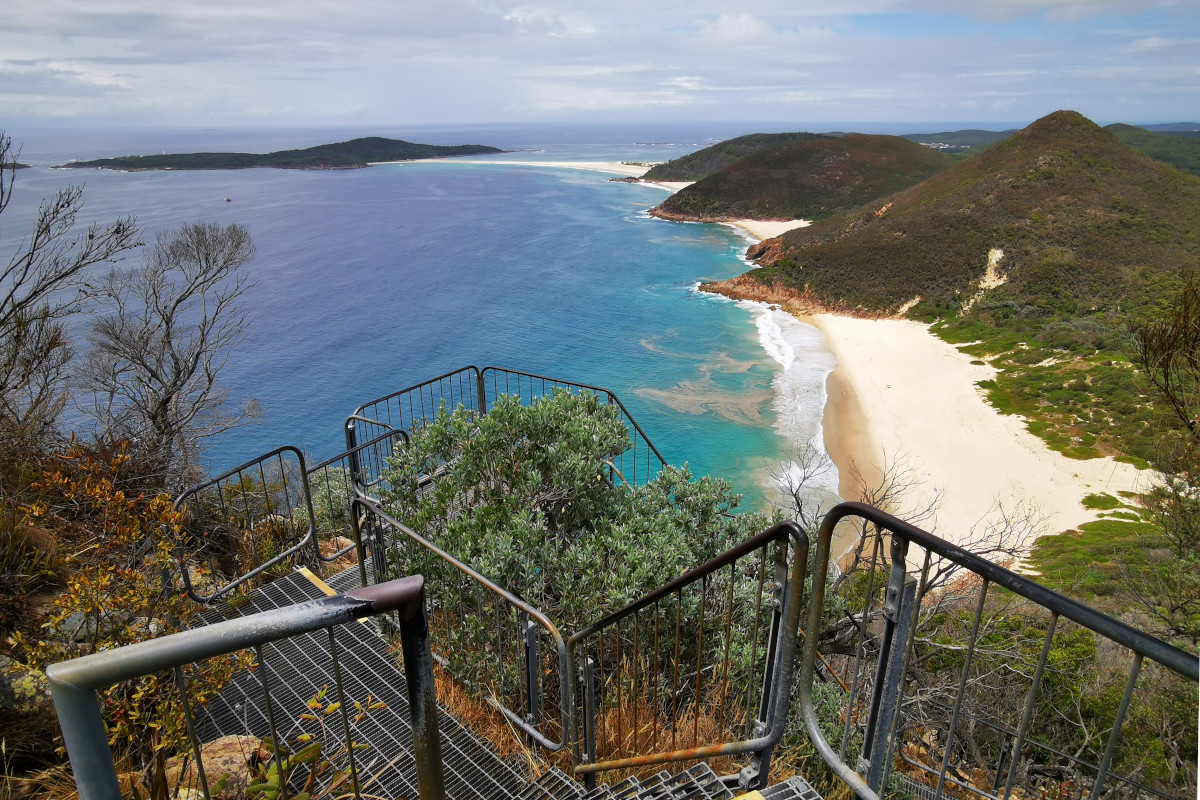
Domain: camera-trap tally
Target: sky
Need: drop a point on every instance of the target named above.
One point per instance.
(398, 62)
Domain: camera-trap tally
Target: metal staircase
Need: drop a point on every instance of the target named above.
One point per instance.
(309, 637)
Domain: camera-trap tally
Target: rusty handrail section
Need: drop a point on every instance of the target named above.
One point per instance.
(74, 684)
(875, 720)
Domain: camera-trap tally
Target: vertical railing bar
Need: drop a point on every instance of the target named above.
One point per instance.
(337, 681)
(190, 723)
(699, 662)
(1111, 747)
(728, 644)
(675, 670)
(655, 673)
(1030, 702)
(908, 651)
(750, 678)
(962, 687)
(616, 673)
(268, 706)
(634, 687)
(860, 650)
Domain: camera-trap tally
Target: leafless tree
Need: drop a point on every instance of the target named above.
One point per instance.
(45, 280)
(156, 356)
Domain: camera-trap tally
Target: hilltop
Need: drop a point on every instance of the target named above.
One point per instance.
(1036, 255)
(341, 155)
(702, 163)
(1083, 221)
(813, 178)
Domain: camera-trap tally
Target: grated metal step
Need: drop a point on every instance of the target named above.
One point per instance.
(794, 788)
(297, 669)
(553, 784)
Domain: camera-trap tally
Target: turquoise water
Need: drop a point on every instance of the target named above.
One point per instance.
(370, 280)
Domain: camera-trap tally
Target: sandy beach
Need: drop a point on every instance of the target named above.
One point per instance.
(900, 392)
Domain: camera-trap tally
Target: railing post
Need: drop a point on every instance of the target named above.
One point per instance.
(481, 388)
(889, 678)
(532, 684)
(589, 720)
(83, 732)
(755, 775)
(422, 702)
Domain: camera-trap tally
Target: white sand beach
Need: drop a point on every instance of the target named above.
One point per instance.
(899, 391)
(768, 229)
(615, 167)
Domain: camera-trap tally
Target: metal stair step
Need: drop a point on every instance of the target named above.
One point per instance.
(794, 788)
(554, 784)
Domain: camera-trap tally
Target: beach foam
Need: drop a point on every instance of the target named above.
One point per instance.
(799, 390)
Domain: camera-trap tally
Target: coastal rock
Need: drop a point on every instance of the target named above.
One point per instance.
(230, 759)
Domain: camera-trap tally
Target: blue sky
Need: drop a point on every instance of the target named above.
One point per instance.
(351, 62)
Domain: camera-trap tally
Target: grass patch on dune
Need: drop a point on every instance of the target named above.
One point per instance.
(1095, 563)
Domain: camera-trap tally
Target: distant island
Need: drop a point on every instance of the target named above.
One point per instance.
(353, 154)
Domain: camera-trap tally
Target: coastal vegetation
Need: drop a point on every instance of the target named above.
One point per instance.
(342, 155)
(811, 179)
(1036, 257)
(704, 162)
(1178, 150)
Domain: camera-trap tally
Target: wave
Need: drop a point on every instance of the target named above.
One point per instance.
(799, 397)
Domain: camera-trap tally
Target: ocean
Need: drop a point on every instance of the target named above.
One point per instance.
(370, 280)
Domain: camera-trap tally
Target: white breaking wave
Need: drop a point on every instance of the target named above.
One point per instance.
(799, 387)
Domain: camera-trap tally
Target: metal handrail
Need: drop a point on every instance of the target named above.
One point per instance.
(900, 609)
(74, 684)
(779, 657)
(508, 597)
(309, 539)
(609, 395)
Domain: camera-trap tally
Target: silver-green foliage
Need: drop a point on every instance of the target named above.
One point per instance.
(522, 495)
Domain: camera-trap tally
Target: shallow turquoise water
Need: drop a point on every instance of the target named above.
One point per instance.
(370, 280)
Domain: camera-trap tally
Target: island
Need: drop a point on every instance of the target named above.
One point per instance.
(352, 154)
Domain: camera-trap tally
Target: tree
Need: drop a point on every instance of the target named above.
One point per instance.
(1167, 352)
(44, 281)
(156, 356)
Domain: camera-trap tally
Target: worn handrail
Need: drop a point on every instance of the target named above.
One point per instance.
(534, 614)
(74, 684)
(778, 658)
(900, 612)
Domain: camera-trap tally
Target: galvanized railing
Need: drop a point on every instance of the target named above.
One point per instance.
(476, 389)
(74, 685)
(273, 513)
(507, 650)
(699, 668)
(952, 680)
(245, 526)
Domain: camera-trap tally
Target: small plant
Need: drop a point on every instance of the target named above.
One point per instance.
(326, 776)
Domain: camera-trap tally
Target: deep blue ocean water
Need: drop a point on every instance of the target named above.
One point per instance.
(370, 280)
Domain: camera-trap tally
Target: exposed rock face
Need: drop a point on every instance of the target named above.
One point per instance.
(231, 758)
(796, 301)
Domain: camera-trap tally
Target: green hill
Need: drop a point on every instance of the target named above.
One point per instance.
(342, 155)
(1084, 221)
(810, 179)
(702, 163)
(1180, 151)
(1084, 235)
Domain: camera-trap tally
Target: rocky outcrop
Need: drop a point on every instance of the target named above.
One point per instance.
(800, 302)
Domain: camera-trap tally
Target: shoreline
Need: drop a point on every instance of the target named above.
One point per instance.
(911, 399)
